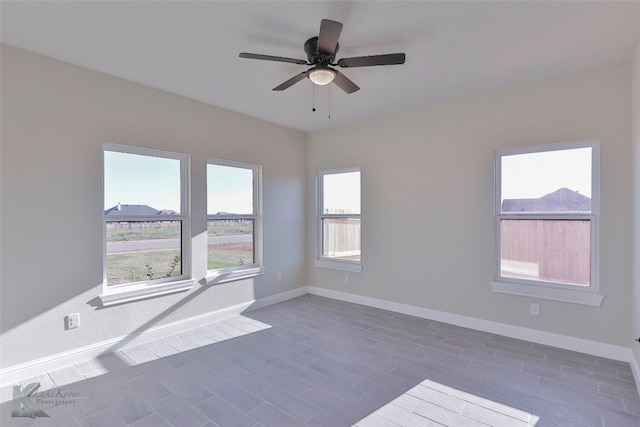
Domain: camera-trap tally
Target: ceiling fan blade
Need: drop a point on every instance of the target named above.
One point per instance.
(328, 37)
(293, 80)
(344, 83)
(367, 61)
(272, 58)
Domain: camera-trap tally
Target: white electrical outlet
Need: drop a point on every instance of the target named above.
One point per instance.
(534, 309)
(347, 279)
(279, 275)
(72, 321)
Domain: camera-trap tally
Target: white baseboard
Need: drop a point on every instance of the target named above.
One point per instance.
(635, 368)
(15, 373)
(581, 345)
(274, 299)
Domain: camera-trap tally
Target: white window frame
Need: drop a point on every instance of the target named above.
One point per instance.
(330, 262)
(587, 295)
(128, 292)
(228, 274)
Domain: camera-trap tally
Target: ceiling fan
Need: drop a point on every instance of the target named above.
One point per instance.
(321, 53)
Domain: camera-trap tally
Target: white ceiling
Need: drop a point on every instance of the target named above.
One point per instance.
(453, 48)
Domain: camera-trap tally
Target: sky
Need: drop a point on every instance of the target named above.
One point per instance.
(341, 193)
(154, 181)
(532, 175)
(229, 189)
(132, 179)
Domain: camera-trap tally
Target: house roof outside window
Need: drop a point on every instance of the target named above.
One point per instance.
(562, 200)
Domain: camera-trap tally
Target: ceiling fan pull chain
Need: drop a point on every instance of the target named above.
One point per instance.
(329, 101)
(313, 89)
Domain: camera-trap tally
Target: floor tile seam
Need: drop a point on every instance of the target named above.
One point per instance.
(630, 409)
(573, 381)
(444, 347)
(570, 388)
(347, 333)
(593, 373)
(526, 411)
(544, 398)
(235, 405)
(542, 414)
(407, 410)
(579, 364)
(151, 402)
(277, 385)
(592, 406)
(474, 348)
(619, 383)
(329, 410)
(509, 370)
(490, 359)
(197, 342)
(345, 337)
(338, 329)
(532, 369)
(200, 411)
(340, 379)
(529, 353)
(303, 374)
(440, 363)
(173, 424)
(631, 391)
(528, 360)
(190, 402)
(395, 331)
(290, 414)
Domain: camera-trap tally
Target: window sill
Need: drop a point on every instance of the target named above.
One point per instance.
(338, 265)
(125, 294)
(215, 277)
(585, 297)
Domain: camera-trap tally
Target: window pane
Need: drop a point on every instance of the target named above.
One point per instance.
(230, 243)
(341, 193)
(229, 190)
(341, 238)
(139, 251)
(550, 181)
(546, 250)
(135, 184)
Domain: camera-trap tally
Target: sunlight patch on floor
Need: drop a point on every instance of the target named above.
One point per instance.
(438, 404)
(233, 327)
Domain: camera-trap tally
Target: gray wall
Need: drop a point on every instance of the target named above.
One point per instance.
(427, 199)
(55, 117)
(635, 327)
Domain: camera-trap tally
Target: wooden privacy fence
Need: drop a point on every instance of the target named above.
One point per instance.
(341, 238)
(548, 250)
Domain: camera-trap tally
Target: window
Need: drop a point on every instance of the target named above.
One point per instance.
(546, 222)
(233, 220)
(339, 207)
(145, 222)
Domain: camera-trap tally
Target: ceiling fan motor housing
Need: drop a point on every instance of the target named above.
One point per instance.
(315, 57)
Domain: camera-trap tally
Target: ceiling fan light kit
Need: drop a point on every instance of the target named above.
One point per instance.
(321, 53)
(321, 76)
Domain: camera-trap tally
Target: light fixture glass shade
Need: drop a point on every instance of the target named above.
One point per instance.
(321, 76)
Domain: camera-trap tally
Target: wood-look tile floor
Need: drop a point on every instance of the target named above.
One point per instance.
(313, 361)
